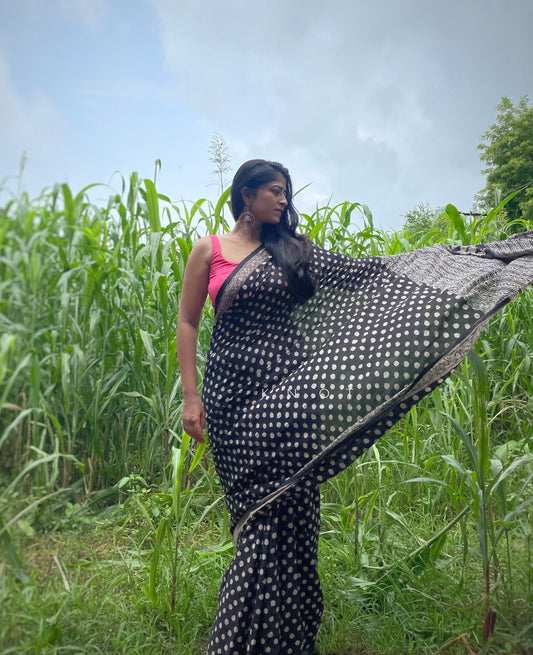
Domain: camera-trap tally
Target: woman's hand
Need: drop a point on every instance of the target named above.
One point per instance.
(193, 418)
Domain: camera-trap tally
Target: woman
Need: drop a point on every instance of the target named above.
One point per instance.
(314, 355)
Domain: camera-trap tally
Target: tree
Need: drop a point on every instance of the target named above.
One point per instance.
(219, 156)
(507, 150)
(423, 218)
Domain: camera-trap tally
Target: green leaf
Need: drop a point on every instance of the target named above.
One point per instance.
(152, 204)
(200, 450)
(453, 215)
(162, 530)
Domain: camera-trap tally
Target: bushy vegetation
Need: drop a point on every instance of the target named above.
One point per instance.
(506, 149)
(113, 532)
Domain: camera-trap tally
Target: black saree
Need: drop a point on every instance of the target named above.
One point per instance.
(295, 392)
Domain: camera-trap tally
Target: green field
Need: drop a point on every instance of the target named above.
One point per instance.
(114, 536)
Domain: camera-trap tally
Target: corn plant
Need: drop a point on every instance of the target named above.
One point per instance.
(90, 403)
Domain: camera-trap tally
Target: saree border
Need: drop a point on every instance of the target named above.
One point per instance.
(231, 285)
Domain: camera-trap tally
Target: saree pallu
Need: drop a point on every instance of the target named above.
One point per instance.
(295, 392)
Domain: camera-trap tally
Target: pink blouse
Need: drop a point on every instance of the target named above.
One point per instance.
(219, 270)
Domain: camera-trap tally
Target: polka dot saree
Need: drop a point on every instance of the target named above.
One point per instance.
(295, 392)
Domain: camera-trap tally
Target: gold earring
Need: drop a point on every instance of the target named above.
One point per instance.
(247, 219)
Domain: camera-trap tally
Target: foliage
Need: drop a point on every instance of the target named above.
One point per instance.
(220, 158)
(422, 219)
(507, 150)
(426, 537)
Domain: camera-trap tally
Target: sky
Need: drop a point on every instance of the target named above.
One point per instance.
(380, 102)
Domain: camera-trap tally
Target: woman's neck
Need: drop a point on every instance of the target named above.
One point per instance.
(248, 235)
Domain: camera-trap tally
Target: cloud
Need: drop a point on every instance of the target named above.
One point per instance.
(383, 101)
(92, 12)
(103, 93)
(33, 126)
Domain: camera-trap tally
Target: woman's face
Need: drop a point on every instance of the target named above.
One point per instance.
(269, 201)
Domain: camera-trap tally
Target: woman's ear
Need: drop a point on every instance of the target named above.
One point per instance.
(247, 196)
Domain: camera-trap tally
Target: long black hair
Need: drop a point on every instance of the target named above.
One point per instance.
(289, 250)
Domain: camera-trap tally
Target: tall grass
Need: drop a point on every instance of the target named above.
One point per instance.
(90, 409)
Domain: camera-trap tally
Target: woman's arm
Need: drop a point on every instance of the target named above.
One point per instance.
(193, 295)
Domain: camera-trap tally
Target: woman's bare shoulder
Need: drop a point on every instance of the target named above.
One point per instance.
(202, 249)
(199, 259)
(203, 243)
